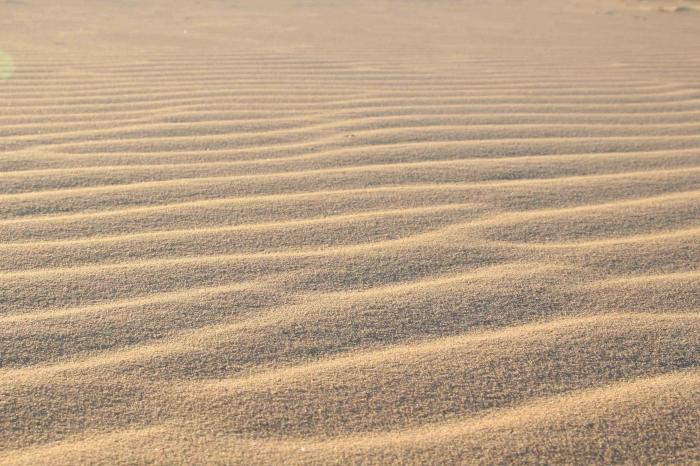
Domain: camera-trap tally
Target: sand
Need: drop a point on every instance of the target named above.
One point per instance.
(349, 232)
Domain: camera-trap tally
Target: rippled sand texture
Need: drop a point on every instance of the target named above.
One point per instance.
(341, 232)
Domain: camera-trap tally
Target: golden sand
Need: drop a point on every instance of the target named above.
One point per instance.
(349, 232)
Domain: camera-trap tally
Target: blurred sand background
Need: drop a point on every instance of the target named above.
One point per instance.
(336, 232)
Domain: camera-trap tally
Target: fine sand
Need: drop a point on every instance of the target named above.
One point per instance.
(337, 232)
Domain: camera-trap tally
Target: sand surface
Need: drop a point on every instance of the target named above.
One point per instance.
(337, 232)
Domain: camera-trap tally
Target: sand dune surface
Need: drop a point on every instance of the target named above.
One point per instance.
(367, 232)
